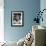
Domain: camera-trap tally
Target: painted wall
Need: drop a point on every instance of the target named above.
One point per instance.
(30, 7)
(43, 6)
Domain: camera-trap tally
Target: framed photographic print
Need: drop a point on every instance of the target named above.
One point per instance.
(17, 18)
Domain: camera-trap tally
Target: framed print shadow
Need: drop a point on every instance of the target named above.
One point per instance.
(17, 18)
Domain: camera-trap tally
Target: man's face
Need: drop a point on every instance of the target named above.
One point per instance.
(17, 17)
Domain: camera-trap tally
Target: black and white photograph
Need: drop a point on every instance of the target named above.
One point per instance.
(17, 18)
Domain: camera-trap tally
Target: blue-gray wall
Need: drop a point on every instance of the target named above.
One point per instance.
(43, 6)
(30, 7)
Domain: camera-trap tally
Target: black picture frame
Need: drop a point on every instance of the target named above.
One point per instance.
(17, 18)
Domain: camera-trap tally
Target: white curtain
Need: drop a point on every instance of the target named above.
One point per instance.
(1, 20)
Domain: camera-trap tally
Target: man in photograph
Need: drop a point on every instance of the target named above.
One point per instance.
(17, 18)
